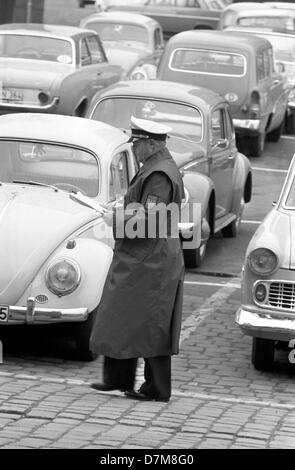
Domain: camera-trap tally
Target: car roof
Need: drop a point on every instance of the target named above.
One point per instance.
(161, 89)
(275, 12)
(246, 6)
(60, 30)
(216, 39)
(69, 130)
(121, 17)
(263, 30)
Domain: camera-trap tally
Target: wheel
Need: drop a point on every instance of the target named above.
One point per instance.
(231, 230)
(290, 124)
(256, 145)
(82, 337)
(263, 353)
(275, 135)
(193, 258)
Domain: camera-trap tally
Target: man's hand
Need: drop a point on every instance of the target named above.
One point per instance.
(108, 218)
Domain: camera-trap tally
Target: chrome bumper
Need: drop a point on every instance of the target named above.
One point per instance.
(36, 315)
(265, 326)
(33, 107)
(250, 124)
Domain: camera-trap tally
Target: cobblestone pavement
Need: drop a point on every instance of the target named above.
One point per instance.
(219, 400)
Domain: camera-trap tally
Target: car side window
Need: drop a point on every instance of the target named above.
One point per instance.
(217, 126)
(85, 56)
(267, 63)
(260, 66)
(119, 176)
(158, 39)
(96, 52)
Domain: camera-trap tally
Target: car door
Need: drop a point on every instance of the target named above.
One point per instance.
(95, 69)
(278, 89)
(221, 159)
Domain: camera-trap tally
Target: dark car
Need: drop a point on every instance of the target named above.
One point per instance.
(202, 142)
(51, 68)
(173, 15)
(242, 70)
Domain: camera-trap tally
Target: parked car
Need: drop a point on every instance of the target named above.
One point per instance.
(55, 252)
(51, 69)
(267, 311)
(254, 14)
(242, 71)
(173, 15)
(202, 142)
(129, 39)
(283, 44)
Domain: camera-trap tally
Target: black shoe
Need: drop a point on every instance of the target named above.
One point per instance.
(142, 396)
(105, 388)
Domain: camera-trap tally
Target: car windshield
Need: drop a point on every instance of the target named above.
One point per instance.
(185, 121)
(118, 32)
(284, 22)
(23, 46)
(67, 168)
(209, 62)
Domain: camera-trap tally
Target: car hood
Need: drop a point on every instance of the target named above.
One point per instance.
(276, 233)
(33, 223)
(123, 56)
(26, 73)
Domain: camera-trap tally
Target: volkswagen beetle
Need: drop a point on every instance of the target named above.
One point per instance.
(202, 142)
(130, 40)
(55, 250)
(267, 311)
(51, 69)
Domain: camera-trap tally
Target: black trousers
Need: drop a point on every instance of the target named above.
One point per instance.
(121, 374)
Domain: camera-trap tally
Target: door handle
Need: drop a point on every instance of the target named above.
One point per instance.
(276, 82)
(99, 73)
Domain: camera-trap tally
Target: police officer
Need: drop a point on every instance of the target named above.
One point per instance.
(141, 305)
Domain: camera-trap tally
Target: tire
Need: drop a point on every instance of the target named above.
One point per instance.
(263, 353)
(275, 135)
(82, 337)
(256, 145)
(194, 258)
(290, 124)
(231, 230)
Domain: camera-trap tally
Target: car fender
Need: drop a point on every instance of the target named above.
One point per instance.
(93, 258)
(71, 93)
(242, 182)
(202, 191)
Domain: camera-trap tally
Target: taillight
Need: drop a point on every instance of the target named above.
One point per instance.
(254, 108)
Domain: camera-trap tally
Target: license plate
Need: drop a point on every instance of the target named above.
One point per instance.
(3, 313)
(11, 94)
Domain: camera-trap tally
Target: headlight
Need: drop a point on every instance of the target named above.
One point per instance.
(263, 261)
(138, 75)
(63, 277)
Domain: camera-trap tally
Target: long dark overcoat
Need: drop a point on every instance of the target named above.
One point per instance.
(141, 306)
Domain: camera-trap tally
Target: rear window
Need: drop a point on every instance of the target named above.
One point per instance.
(268, 21)
(208, 62)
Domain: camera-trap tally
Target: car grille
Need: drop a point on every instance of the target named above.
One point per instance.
(282, 295)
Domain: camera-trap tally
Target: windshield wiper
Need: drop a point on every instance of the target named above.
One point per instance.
(36, 183)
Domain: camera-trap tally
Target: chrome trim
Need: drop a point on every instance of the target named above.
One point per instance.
(207, 73)
(69, 261)
(32, 315)
(40, 108)
(266, 304)
(252, 124)
(265, 326)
